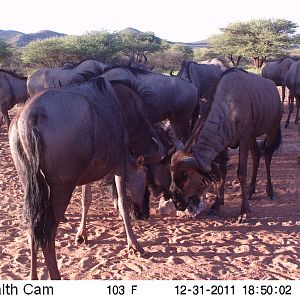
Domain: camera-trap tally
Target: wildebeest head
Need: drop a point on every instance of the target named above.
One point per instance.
(136, 189)
(188, 180)
(159, 175)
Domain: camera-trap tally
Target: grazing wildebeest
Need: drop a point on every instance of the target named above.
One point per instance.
(12, 91)
(65, 75)
(276, 71)
(292, 81)
(154, 179)
(72, 136)
(164, 97)
(245, 106)
(204, 76)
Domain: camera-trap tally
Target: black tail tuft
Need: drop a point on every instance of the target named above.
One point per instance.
(269, 149)
(37, 208)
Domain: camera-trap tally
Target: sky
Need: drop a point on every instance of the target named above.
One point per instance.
(173, 20)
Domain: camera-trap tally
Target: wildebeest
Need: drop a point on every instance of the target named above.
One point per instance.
(12, 91)
(245, 106)
(164, 97)
(219, 62)
(154, 179)
(65, 75)
(204, 76)
(292, 81)
(276, 71)
(73, 136)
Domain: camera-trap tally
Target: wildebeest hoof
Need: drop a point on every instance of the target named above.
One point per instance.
(242, 218)
(132, 251)
(80, 239)
(272, 197)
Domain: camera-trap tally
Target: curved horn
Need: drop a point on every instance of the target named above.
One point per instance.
(171, 72)
(181, 162)
(196, 130)
(177, 145)
(158, 156)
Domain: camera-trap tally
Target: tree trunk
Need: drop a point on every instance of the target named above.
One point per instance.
(235, 63)
(258, 62)
(230, 56)
(238, 60)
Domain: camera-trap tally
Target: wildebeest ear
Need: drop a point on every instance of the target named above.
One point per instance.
(140, 162)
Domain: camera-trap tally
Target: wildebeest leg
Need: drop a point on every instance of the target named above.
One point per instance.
(123, 205)
(283, 93)
(242, 177)
(59, 197)
(298, 107)
(255, 152)
(86, 199)
(221, 189)
(269, 187)
(5, 117)
(33, 265)
(291, 109)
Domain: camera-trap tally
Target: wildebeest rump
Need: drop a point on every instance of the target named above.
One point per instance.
(245, 106)
(65, 75)
(12, 91)
(73, 136)
(164, 97)
(276, 71)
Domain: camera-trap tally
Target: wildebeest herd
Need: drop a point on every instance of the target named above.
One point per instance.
(82, 124)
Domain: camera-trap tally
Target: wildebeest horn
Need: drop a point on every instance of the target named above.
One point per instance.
(158, 156)
(178, 146)
(190, 163)
(196, 130)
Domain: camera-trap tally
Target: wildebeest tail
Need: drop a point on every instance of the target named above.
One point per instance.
(269, 149)
(37, 207)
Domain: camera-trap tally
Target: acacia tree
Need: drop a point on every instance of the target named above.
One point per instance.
(44, 53)
(257, 39)
(99, 45)
(138, 45)
(5, 51)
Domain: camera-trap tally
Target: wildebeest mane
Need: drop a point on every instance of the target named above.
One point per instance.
(140, 104)
(71, 65)
(99, 82)
(233, 70)
(133, 70)
(14, 74)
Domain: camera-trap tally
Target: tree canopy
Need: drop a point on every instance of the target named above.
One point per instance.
(99, 45)
(258, 39)
(5, 50)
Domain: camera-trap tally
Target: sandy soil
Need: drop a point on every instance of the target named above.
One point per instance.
(266, 247)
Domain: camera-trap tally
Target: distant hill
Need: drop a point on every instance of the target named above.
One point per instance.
(21, 39)
(199, 44)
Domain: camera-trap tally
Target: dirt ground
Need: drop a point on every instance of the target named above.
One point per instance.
(265, 247)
